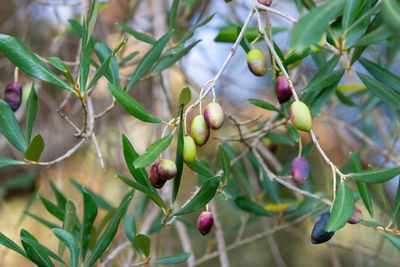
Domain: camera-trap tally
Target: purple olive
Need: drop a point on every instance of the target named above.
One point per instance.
(214, 116)
(300, 170)
(166, 169)
(318, 234)
(256, 62)
(13, 95)
(272, 146)
(199, 130)
(356, 217)
(205, 222)
(283, 89)
(265, 2)
(155, 178)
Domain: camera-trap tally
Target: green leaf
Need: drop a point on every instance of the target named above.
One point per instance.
(373, 37)
(89, 215)
(153, 151)
(184, 97)
(201, 169)
(391, 15)
(324, 81)
(342, 208)
(179, 148)
(131, 105)
(394, 239)
(5, 162)
(362, 187)
(5, 241)
(310, 28)
(71, 243)
(84, 63)
(354, 32)
(230, 34)
(350, 12)
(35, 149)
(149, 59)
(35, 251)
(143, 242)
(100, 201)
(205, 194)
(150, 193)
(279, 138)
(138, 35)
(172, 14)
(246, 204)
(381, 91)
(92, 18)
(103, 52)
(293, 133)
(130, 156)
(225, 161)
(173, 259)
(60, 65)
(370, 223)
(128, 57)
(9, 127)
(130, 230)
(108, 235)
(52, 208)
(262, 104)
(396, 206)
(41, 220)
(61, 199)
(24, 59)
(381, 74)
(170, 59)
(68, 223)
(191, 32)
(31, 112)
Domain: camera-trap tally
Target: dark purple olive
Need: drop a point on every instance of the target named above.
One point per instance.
(166, 169)
(13, 95)
(356, 217)
(300, 170)
(282, 88)
(214, 116)
(318, 234)
(265, 2)
(205, 222)
(155, 178)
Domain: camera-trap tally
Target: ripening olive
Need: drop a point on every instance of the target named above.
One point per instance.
(300, 170)
(265, 2)
(256, 62)
(282, 88)
(300, 116)
(199, 130)
(166, 169)
(155, 178)
(214, 116)
(205, 222)
(356, 217)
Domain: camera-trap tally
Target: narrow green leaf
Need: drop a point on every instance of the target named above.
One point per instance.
(184, 97)
(35, 251)
(61, 199)
(381, 91)
(100, 201)
(52, 208)
(350, 11)
(172, 14)
(103, 52)
(391, 15)
(68, 223)
(24, 59)
(246, 204)
(205, 194)
(370, 223)
(138, 35)
(128, 57)
(61, 66)
(41, 249)
(170, 59)
(198, 167)
(71, 243)
(89, 215)
(342, 208)
(279, 138)
(191, 32)
(149, 59)
(31, 111)
(35, 149)
(394, 239)
(9, 127)
(310, 28)
(153, 151)
(41, 220)
(373, 37)
(230, 34)
(396, 206)
(150, 193)
(92, 18)
(179, 148)
(173, 259)
(262, 104)
(143, 243)
(225, 161)
(293, 133)
(362, 187)
(358, 29)
(381, 74)
(5, 241)
(108, 235)
(130, 228)
(131, 105)
(324, 81)
(5, 162)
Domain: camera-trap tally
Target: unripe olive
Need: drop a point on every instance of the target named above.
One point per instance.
(356, 217)
(199, 130)
(205, 222)
(300, 170)
(214, 116)
(256, 62)
(166, 169)
(318, 234)
(265, 2)
(13, 95)
(282, 88)
(189, 149)
(272, 146)
(300, 116)
(155, 178)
